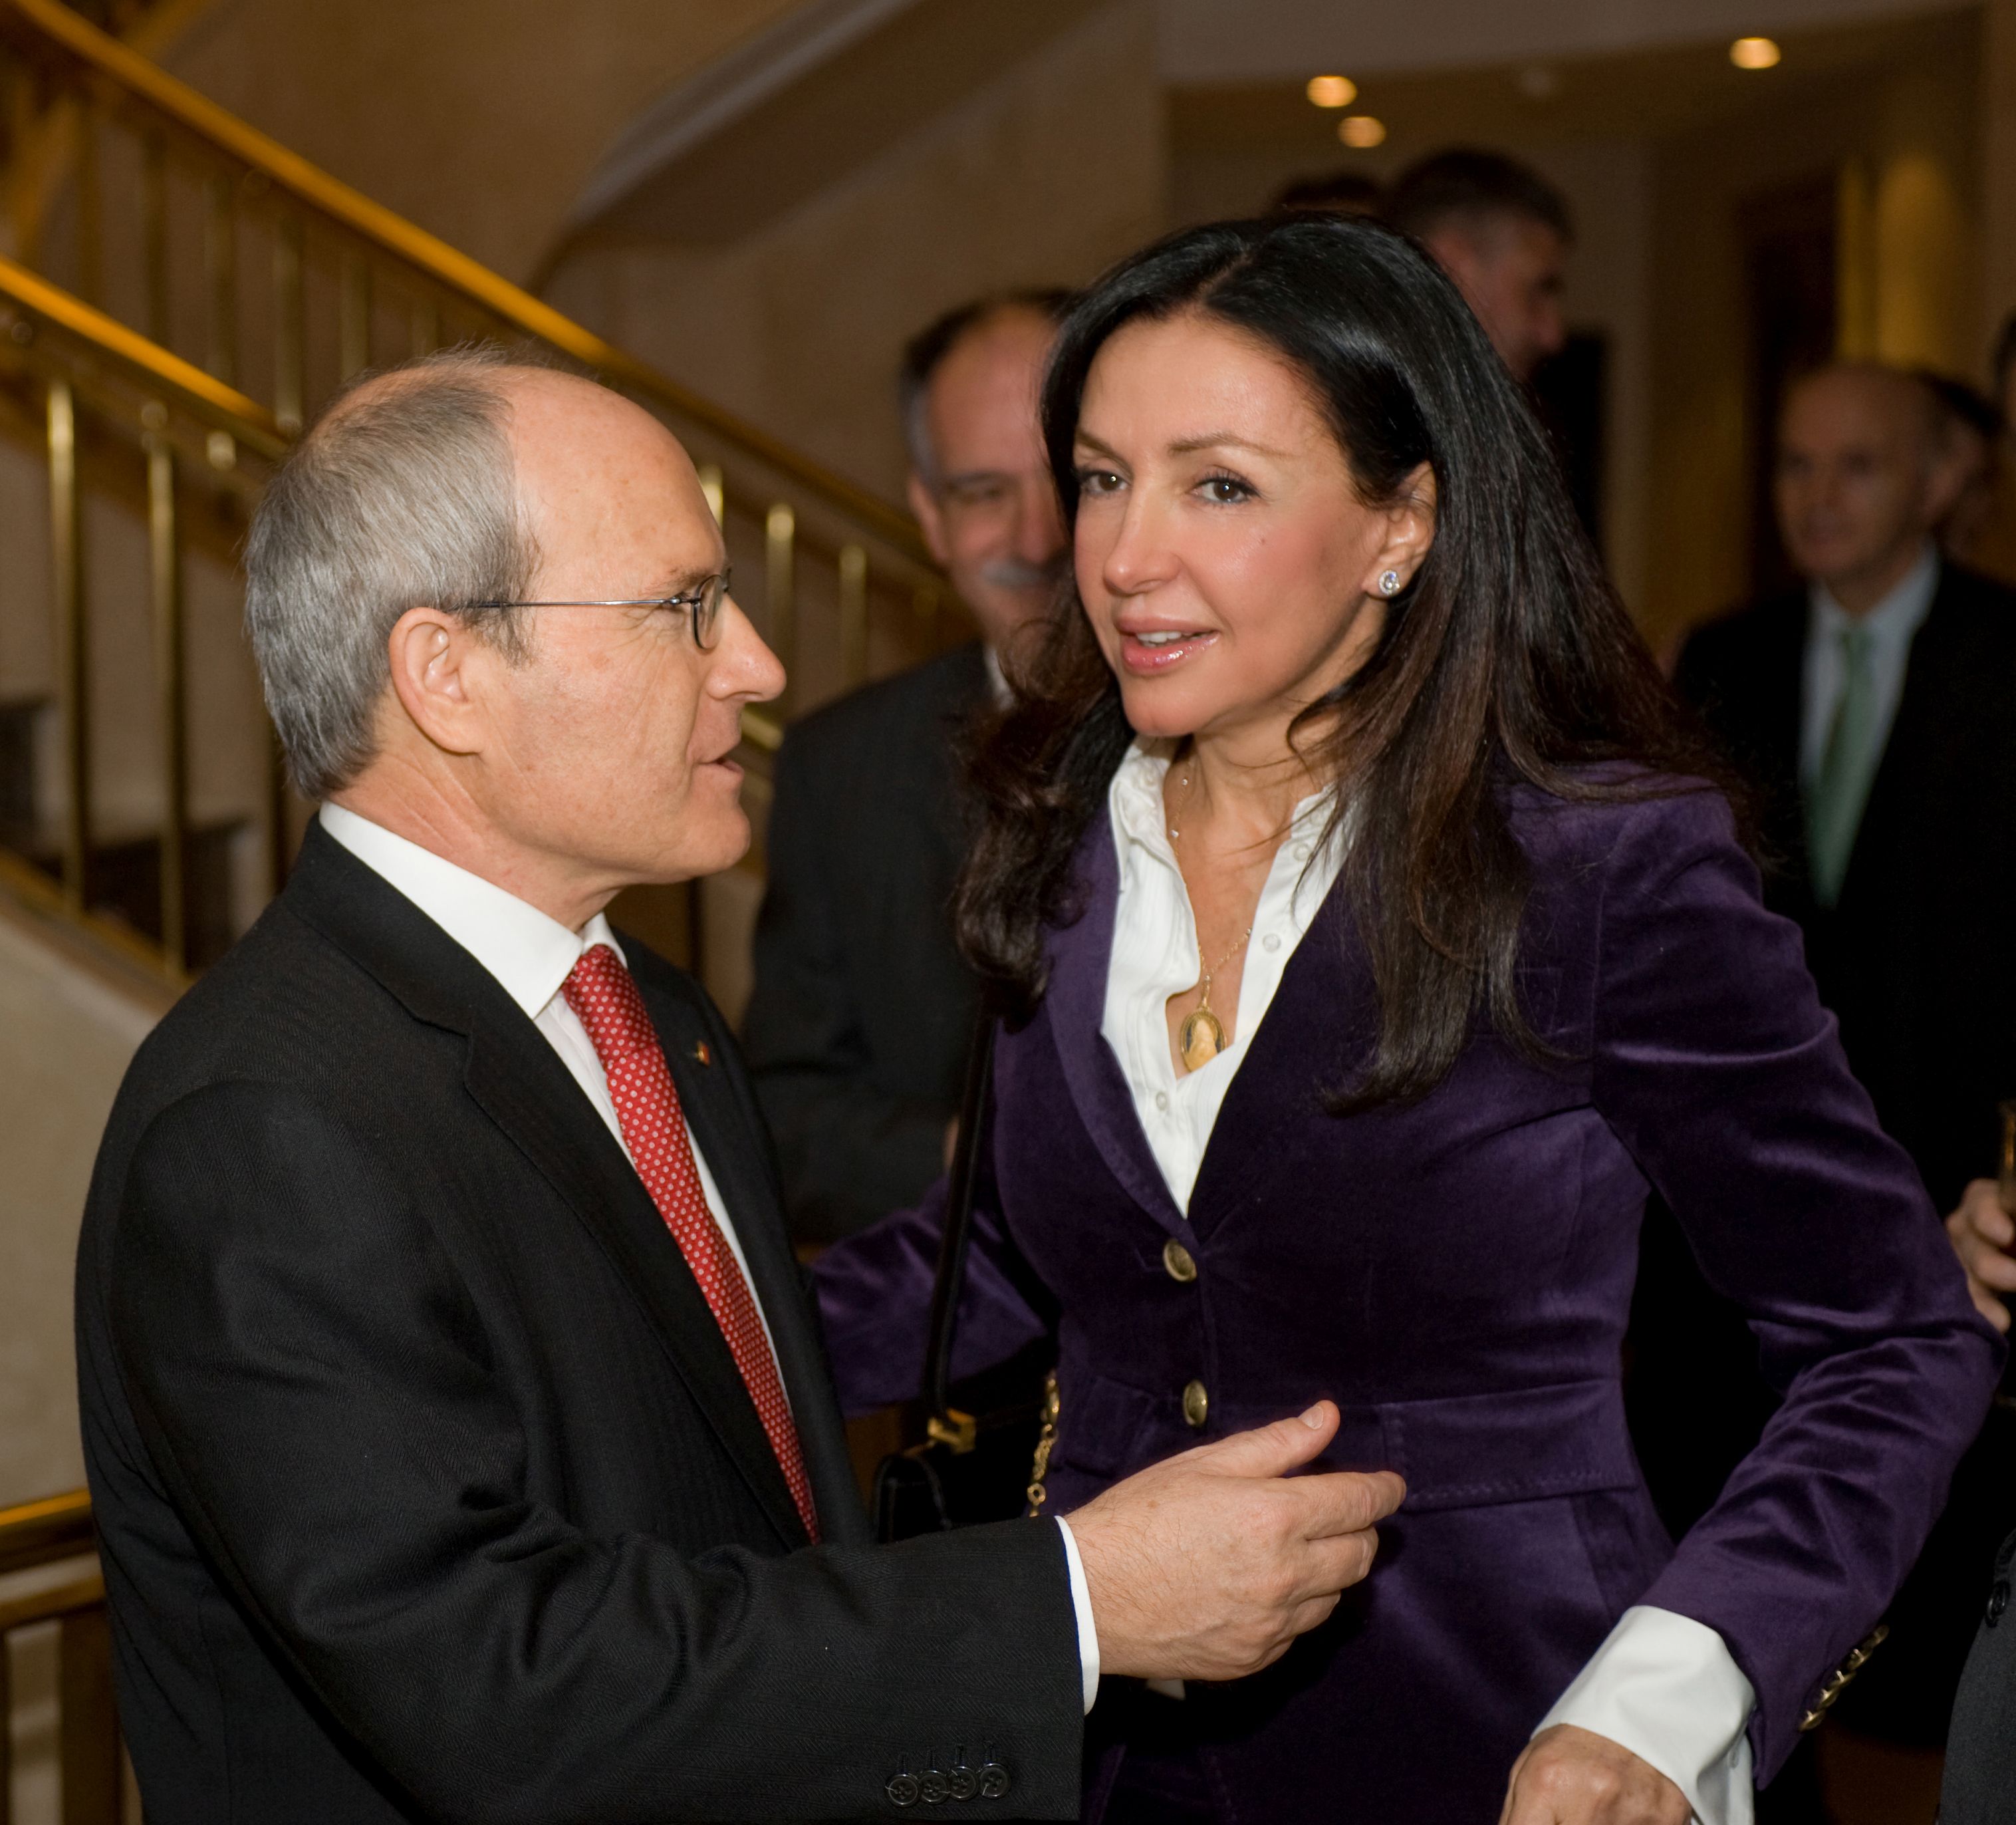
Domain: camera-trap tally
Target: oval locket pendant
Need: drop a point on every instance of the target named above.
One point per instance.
(1201, 1039)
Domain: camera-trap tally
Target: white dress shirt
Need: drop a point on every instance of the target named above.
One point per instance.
(1663, 1685)
(531, 956)
(1893, 623)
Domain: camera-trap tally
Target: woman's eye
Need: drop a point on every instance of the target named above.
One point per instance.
(1226, 490)
(1098, 481)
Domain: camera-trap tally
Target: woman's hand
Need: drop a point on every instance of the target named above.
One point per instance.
(1981, 1232)
(1572, 1777)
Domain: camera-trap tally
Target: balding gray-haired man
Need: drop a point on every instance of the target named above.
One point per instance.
(435, 1479)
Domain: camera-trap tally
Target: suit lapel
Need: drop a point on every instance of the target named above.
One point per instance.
(519, 1082)
(1940, 676)
(1075, 1001)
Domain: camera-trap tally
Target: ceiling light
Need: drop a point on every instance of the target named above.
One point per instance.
(1362, 132)
(1754, 53)
(1332, 91)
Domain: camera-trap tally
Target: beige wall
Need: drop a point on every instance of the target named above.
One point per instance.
(1045, 175)
(65, 1041)
(479, 119)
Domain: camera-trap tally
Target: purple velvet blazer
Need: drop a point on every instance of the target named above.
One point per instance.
(1456, 1273)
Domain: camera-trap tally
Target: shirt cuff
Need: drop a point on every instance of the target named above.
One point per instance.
(1664, 1687)
(1088, 1637)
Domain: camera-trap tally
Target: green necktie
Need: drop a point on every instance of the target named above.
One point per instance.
(1841, 789)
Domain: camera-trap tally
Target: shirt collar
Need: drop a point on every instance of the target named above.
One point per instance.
(530, 954)
(1895, 619)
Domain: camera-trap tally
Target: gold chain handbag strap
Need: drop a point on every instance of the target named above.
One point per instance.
(1046, 1441)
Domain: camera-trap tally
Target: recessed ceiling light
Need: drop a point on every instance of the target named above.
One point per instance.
(1362, 132)
(1332, 91)
(1754, 53)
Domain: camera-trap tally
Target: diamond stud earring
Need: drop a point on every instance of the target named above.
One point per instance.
(1389, 584)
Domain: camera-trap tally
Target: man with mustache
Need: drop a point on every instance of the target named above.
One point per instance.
(858, 1025)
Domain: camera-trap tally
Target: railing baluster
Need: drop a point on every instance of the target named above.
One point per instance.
(289, 377)
(72, 678)
(87, 1722)
(90, 209)
(425, 335)
(353, 317)
(780, 588)
(853, 614)
(710, 486)
(220, 254)
(154, 234)
(164, 557)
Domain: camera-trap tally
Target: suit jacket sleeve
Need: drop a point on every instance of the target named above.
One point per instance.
(1716, 1065)
(310, 1374)
(874, 1291)
(851, 1151)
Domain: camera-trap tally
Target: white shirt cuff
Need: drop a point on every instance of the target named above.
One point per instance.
(1665, 1687)
(1088, 1637)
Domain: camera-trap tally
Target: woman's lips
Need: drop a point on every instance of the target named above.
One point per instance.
(1145, 657)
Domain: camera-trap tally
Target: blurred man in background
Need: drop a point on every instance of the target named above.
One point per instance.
(862, 1006)
(1868, 712)
(1503, 232)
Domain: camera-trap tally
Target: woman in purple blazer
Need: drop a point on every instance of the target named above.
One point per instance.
(1370, 949)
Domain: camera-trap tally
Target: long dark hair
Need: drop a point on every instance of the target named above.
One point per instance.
(1508, 657)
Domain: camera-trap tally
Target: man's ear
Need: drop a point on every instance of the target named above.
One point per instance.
(930, 517)
(435, 676)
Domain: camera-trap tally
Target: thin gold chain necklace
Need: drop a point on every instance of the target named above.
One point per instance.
(1201, 1036)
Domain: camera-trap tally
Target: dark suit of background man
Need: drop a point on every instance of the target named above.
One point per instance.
(1870, 710)
(857, 1028)
(461, 1441)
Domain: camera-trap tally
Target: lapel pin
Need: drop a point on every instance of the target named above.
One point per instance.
(701, 1052)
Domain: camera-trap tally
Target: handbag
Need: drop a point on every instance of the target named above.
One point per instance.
(984, 1460)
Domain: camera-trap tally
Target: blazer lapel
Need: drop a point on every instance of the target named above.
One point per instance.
(1081, 954)
(1313, 1038)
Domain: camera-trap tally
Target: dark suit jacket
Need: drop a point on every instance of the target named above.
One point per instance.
(857, 1026)
(427, 1487)
(1916, 960)
(1455, 1272)
(1980, 1783)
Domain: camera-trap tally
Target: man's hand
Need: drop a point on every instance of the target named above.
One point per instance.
(1572, 1777)
(1982, 1233)
(1206, 1566)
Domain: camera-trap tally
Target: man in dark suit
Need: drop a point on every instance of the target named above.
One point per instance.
(461, 1444)
(858, 1024)
(1870, 713)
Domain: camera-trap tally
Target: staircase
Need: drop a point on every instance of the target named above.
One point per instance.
(178, 294)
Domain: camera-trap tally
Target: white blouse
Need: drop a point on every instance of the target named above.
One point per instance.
(1663, 1685)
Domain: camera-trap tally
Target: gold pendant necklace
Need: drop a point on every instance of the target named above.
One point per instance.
(1201, 1036)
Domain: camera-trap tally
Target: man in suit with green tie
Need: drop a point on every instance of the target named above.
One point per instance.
(1869, 711)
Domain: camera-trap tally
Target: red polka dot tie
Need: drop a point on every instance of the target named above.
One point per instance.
(600, 991)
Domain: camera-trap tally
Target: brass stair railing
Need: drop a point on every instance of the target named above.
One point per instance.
(200, 290)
